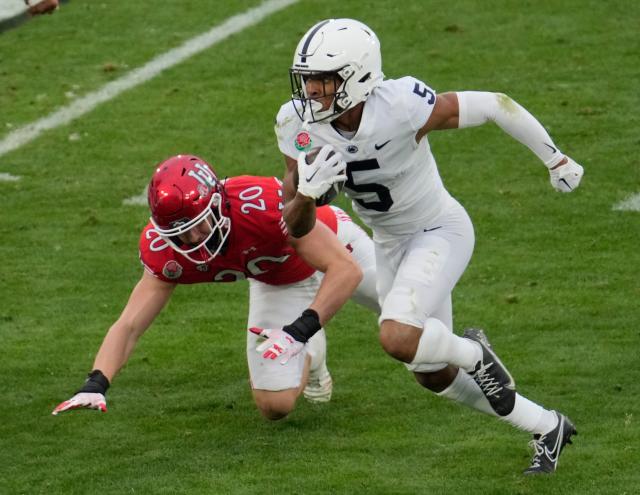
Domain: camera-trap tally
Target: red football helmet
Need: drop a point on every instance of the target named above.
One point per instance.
(186, 202)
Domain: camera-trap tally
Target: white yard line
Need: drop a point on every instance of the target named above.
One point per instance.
(85, 104)
(632, 203)
(140, 200)
(4, 177)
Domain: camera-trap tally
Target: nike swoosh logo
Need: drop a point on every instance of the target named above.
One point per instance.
(378, 147)
(429, 230)
(552, 148)
(555, 452)
(309, 179)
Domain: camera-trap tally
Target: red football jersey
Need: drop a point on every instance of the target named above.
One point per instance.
(257, 245)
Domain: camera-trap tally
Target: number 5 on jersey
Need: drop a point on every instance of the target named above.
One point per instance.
(384, 196)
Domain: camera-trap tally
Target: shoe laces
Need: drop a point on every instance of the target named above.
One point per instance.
(537, 444)
(489, 385)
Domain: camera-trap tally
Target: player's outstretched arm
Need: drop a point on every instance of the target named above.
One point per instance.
(473, 108)
(147, 299)
(321, 249)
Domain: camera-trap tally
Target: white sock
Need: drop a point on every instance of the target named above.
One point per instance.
(531, 417)
(465, 390)
(317, 350)
(439, 345)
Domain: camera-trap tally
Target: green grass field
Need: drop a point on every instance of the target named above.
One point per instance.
(554, 278)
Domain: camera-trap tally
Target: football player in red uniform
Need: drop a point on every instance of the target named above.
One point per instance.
(206, 230)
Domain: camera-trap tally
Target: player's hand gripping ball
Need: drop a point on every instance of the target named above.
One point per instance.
(321, 174)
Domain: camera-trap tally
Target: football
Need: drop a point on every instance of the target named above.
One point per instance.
(334, 190)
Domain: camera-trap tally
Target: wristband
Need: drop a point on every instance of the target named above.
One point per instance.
(305, 326)
(96, 383)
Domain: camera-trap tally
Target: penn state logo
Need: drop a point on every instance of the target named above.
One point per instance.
(172, 270)
(303, 141)
(352, 148)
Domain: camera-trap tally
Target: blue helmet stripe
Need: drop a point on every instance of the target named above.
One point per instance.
(307, 42)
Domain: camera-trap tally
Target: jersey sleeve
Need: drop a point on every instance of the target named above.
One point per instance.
(260, 244)
(257, 204)
(327, 215)
(418, 101)
(287, 126)
(154, 253)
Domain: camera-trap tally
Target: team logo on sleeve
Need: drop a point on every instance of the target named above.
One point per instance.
(172, 270)
(303, 141)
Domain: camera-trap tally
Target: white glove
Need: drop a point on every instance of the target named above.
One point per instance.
(316, 178)
(278, 344)
(86, 400)
(566, 177)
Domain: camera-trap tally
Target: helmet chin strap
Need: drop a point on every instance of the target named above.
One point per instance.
(215, 241)
(206, 250)
(314, 113)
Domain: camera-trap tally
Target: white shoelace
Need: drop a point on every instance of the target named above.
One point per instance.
(486, 383)
(538, 448)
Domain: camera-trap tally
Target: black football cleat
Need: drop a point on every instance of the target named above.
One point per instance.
(492, 376)
(548, 447)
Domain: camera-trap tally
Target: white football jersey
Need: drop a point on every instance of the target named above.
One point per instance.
(392, 180)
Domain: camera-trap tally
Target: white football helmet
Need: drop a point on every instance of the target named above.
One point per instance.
(343, 47)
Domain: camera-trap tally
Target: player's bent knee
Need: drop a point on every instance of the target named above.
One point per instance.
(273, 414)
(399, 340)
(275, 405)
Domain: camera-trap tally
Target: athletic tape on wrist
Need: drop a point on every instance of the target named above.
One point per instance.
(305, 326)
(96, 383)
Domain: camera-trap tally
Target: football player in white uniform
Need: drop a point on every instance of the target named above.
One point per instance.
(423, 236)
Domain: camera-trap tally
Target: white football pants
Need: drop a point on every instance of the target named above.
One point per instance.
(273, 306)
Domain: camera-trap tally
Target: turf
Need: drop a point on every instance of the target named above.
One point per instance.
(554, 278)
